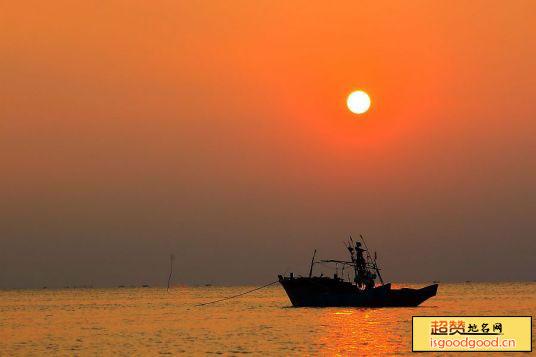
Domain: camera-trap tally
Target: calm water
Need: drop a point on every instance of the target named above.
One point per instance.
(152, 322)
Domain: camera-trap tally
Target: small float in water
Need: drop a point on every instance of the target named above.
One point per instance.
(363, 291)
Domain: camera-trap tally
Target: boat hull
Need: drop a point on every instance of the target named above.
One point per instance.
(326, 292)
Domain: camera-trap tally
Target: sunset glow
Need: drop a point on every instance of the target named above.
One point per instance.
(220, 129)
(177, 174)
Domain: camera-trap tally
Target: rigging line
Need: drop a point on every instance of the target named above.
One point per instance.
(326, 266)
(234, 296)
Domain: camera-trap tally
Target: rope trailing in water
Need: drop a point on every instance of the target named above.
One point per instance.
(234, 296)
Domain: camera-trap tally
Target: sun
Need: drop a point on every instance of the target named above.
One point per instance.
(358, 102)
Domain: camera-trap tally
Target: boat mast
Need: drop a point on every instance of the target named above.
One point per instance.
(374, 264)
(350, 247)
(312, 263)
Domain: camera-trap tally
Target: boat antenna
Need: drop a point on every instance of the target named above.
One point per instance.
(312, 263)
(374, 264)
(171, 258)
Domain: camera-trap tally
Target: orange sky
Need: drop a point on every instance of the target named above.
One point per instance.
(217, 130)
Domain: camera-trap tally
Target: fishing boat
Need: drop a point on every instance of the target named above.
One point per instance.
(366, 289)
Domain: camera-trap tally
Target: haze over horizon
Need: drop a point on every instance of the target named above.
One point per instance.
(218, 132)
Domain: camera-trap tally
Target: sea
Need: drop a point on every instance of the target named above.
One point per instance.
(154, 321)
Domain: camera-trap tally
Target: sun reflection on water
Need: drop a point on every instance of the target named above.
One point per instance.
(359, 332)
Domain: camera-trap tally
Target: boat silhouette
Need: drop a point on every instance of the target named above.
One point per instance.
(363, 291)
